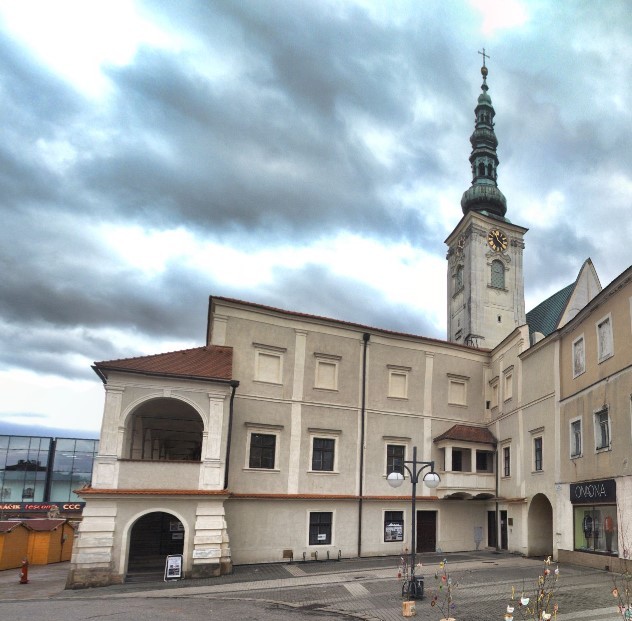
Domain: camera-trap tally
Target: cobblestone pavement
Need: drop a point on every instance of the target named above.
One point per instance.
(362, 588)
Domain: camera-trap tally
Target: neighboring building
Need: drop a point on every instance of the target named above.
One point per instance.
(274, 439)
(38, 474)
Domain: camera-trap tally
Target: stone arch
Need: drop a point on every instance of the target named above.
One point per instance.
(160, 428)
(540, 525)
(150, 537)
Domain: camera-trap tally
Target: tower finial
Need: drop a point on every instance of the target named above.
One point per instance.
(484, 195)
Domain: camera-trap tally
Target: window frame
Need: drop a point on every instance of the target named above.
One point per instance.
(538, 453)
(506, 461)
(573, 437)
(599, 430)
(322, 360)
(398, 445)
(508, 384)
(386, 521)
(323, 434)
(270, 351)
(497, 278)
(398, 371)
(267, 430)
(576, 371)
(457, 380)
(313, 542)
(601, 354)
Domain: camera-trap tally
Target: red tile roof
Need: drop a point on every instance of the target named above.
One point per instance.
(210, 362)
(7, 526)
(467, 433)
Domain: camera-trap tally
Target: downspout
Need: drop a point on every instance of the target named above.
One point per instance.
(365, 339)
(229, 435)
(497, 512)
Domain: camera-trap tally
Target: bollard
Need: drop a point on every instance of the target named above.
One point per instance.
(24, 572)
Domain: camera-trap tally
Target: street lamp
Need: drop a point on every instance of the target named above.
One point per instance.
(432, 480)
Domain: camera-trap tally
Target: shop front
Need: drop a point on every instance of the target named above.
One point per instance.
(595, 524)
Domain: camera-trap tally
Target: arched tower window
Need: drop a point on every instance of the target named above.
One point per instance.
(481, 169)
(498, 274)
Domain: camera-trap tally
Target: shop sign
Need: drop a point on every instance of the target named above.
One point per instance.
(594, 492)
(25, 507)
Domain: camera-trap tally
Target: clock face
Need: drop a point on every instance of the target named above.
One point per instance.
(497, 240)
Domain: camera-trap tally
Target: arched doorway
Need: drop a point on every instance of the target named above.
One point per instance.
(153, 537)
(540, 526)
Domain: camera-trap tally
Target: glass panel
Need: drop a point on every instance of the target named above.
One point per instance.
(595, 529)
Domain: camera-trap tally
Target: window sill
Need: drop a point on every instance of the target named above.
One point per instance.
(326, 389)
(537, 472)
(248, 469)
(577, 456)
(260, 381)
(604, 358)
(397, 398)
(323, 472)
(576, 375)
(603, 449)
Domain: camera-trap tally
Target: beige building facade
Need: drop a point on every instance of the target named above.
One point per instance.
(273, 439)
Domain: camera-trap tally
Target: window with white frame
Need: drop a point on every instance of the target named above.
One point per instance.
(537, 454)
(393, 526)
(326, 376)
(269, 363)
(508, 384)
(262, 448)
(398, 381)
(576, 437)
(323, 450)
(604, 338)
(494, 387)
(602, 429)
(507, 460)
(579, 356)
(395, 457)
(320, 528)
(457, 389)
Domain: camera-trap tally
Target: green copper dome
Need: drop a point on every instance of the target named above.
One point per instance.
(484, 195)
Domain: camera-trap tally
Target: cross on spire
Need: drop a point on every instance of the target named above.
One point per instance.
(484, 56)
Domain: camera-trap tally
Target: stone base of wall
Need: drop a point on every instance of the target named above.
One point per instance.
(210, 570)
(597, 561)
(87, 578)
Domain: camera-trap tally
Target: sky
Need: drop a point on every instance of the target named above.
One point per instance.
(305, 154)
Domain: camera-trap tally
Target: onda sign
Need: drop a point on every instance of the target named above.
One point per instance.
(594, 492)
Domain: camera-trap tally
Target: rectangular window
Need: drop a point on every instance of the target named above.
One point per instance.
(576, 437)
(326, 372)
(537, 454)
(484, 461)
(508, 385)
(398, 382)
(262, 451)
(595, 528)
(579, 357)
(457, 460)
(604, 339)
(457, 390)
(494, 387)
(602, 430)
(268, 363)
(395, 456)
(393, 526)
(320, 528)
(323, 453)
(506, 461)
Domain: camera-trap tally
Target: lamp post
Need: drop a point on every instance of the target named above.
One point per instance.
(432, 480)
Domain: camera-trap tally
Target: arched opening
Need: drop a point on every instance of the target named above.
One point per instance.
(498, 274)
(165, 429)
(540, 523)
(153, 537)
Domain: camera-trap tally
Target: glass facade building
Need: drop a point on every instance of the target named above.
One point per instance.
(36, 469)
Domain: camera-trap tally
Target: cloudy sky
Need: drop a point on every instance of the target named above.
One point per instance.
(305, 154)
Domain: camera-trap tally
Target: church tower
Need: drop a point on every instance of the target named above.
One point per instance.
(485, 280)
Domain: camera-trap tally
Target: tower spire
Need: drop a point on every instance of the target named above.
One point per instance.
(483, 195)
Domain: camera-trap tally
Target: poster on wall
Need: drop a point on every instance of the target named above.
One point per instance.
(393, 532)
(173, 567)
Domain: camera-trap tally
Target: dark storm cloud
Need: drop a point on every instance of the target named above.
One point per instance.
(256, 139)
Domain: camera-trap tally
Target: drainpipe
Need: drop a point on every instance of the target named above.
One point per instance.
(233, 385)
(365, 339)
(497, 513)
